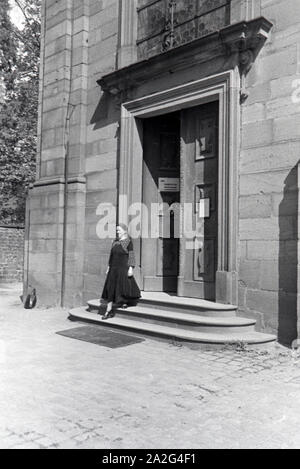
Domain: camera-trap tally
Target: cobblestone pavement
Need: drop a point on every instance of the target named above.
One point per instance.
(57, 392)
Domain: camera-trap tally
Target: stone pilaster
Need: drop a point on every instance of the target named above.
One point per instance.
(127, 51)
(44, 241)
(56, 212)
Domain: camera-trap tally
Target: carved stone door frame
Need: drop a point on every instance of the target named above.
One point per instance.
(225, 88)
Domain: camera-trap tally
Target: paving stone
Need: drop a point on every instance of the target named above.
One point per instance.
(79, 395)
(11, 441)
(27, 445)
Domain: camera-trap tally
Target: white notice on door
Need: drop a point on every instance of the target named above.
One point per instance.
(169, 184)
(204, 208)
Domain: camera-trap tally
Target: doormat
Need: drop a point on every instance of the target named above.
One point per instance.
(99, 336)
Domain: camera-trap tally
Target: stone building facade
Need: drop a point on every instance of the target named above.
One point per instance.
(139, 94)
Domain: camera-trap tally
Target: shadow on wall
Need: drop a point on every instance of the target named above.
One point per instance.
(288, 258)
(100, 115)
(107, 111)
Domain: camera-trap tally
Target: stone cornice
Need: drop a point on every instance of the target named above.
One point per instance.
(244, 40)
(58, 181)
(12, 227)
(247, 37)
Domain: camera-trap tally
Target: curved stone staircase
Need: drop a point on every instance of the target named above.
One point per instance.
(182, 319)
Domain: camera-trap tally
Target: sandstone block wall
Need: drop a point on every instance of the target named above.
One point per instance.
(270, 152)
(79, 45)
(55, 260)
(102, 139)
(43, 250)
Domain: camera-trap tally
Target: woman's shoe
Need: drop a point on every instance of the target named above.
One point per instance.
(106, 316)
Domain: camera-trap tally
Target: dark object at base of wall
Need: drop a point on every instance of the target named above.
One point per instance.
(30, 300)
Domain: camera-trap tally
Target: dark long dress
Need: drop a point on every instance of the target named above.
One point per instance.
(118, 287)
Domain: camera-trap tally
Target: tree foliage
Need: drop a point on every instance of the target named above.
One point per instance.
(19, 69)
(8, 49)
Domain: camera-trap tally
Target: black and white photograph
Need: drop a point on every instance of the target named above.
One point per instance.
(149, 227)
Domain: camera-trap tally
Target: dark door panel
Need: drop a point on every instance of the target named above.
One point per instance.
(199, 158)
(160, 256)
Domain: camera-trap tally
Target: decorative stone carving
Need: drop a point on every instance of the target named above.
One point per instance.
(245, 40)
(169, 38)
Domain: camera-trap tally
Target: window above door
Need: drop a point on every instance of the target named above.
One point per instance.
(164, 24)
(151, 27)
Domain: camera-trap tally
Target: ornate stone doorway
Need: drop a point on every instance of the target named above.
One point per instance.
(223, 89)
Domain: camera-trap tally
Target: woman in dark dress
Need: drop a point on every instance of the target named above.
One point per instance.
(120, 286)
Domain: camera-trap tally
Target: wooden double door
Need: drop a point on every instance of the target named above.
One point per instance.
(180, 176)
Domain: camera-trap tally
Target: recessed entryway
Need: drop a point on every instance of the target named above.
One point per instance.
(180, 167)
(161, 185)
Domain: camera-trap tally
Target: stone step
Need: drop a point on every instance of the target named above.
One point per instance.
(185, 320)
(175, 304)
(185, 301)
(222, 337)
